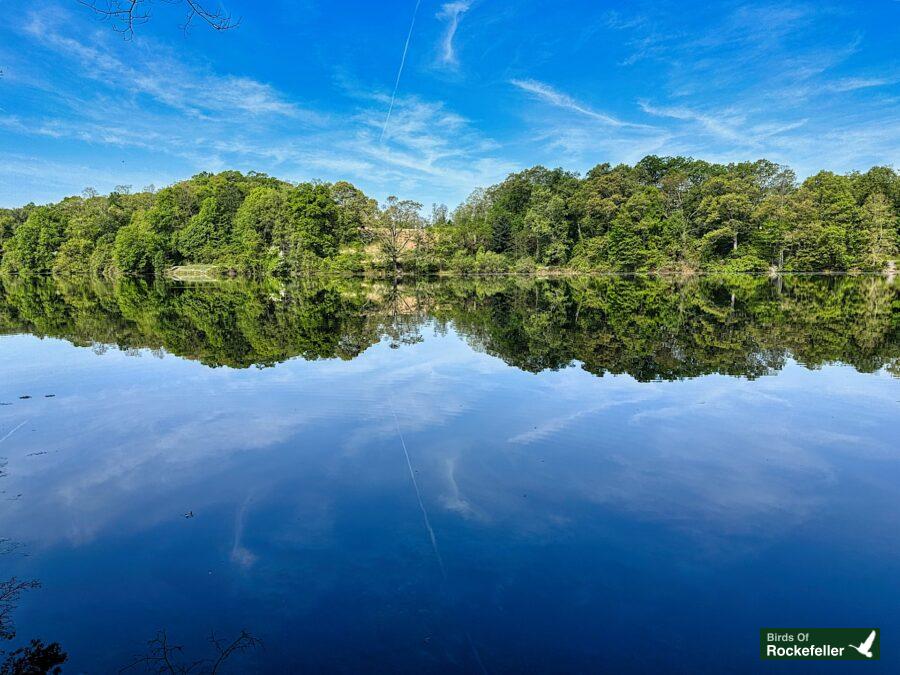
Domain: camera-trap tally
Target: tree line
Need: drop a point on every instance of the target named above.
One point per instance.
(664, 214)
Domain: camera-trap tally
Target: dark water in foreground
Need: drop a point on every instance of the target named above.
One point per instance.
(573, 476)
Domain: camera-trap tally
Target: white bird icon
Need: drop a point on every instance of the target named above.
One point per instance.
(865, 648)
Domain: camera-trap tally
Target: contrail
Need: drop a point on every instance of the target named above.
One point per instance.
(14, 430)
(412, 475)
(400, 71)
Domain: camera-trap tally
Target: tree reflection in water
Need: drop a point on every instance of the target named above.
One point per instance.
(649, 328)
(35, 657)
(164, 657)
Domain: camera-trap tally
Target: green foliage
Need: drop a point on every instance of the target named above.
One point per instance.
(634, 238)
(313, 226)
(878, 232)
(10, 219)
(138, 248)
(263, 213)
(546, 227)
(462, 263)
(398, 234)
(349, 260)
(206, 234)
(747, 264)
(250, 223)
(663, 214)
(101, 262)
(489, 262)
(525, 266)
(355, 211)
(73, 257)
(34, 243)
(590, 254)
(648, 327)
(482, 263)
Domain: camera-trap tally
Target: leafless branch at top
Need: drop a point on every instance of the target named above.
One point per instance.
(126, 14)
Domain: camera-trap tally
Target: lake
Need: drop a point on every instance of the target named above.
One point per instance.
(500, 475)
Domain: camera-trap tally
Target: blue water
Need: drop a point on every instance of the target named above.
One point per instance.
(430, 508)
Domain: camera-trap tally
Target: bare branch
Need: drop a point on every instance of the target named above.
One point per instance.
(242, 643)
(126, 14)
(10, 590)
(162, 657)
(217, 20)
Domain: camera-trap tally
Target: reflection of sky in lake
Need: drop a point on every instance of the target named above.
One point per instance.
(582, 522)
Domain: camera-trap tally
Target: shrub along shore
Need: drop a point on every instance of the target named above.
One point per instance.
(663, 215)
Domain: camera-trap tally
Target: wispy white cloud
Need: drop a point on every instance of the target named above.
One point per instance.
(155, 72)
(548, 94)
(146, 106)
(616, 20)
(714, 125)
(588, 136)
(555, 425)
(451, 12)
(24, 175)
(760, 52)
(428, 140)
(580, 147)
(854, 83)
(727, 125)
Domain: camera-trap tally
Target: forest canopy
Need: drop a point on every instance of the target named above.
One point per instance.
(664, 214)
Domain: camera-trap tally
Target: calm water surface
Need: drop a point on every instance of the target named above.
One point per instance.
(504, 476)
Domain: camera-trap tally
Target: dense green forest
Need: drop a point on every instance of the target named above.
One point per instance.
(648, 327)
(669, 214)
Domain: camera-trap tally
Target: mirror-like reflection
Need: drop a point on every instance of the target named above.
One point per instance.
(504, 475)
(649, 328)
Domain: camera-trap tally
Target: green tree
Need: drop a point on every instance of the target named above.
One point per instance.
(545, 230)
(724, 213)
(634, 240)
(398, 228)
(354, 211)
(600, 196)
(879, 226)
(825, 234)
(475, 227)
(263, 213)
(34, 243)
(138, 248)
(313, 223)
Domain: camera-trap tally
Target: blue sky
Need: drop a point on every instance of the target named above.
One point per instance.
(302, 89)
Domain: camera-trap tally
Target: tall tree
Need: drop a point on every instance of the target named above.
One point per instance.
(397, 229)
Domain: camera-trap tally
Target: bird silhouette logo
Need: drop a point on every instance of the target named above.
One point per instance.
(865, 648)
